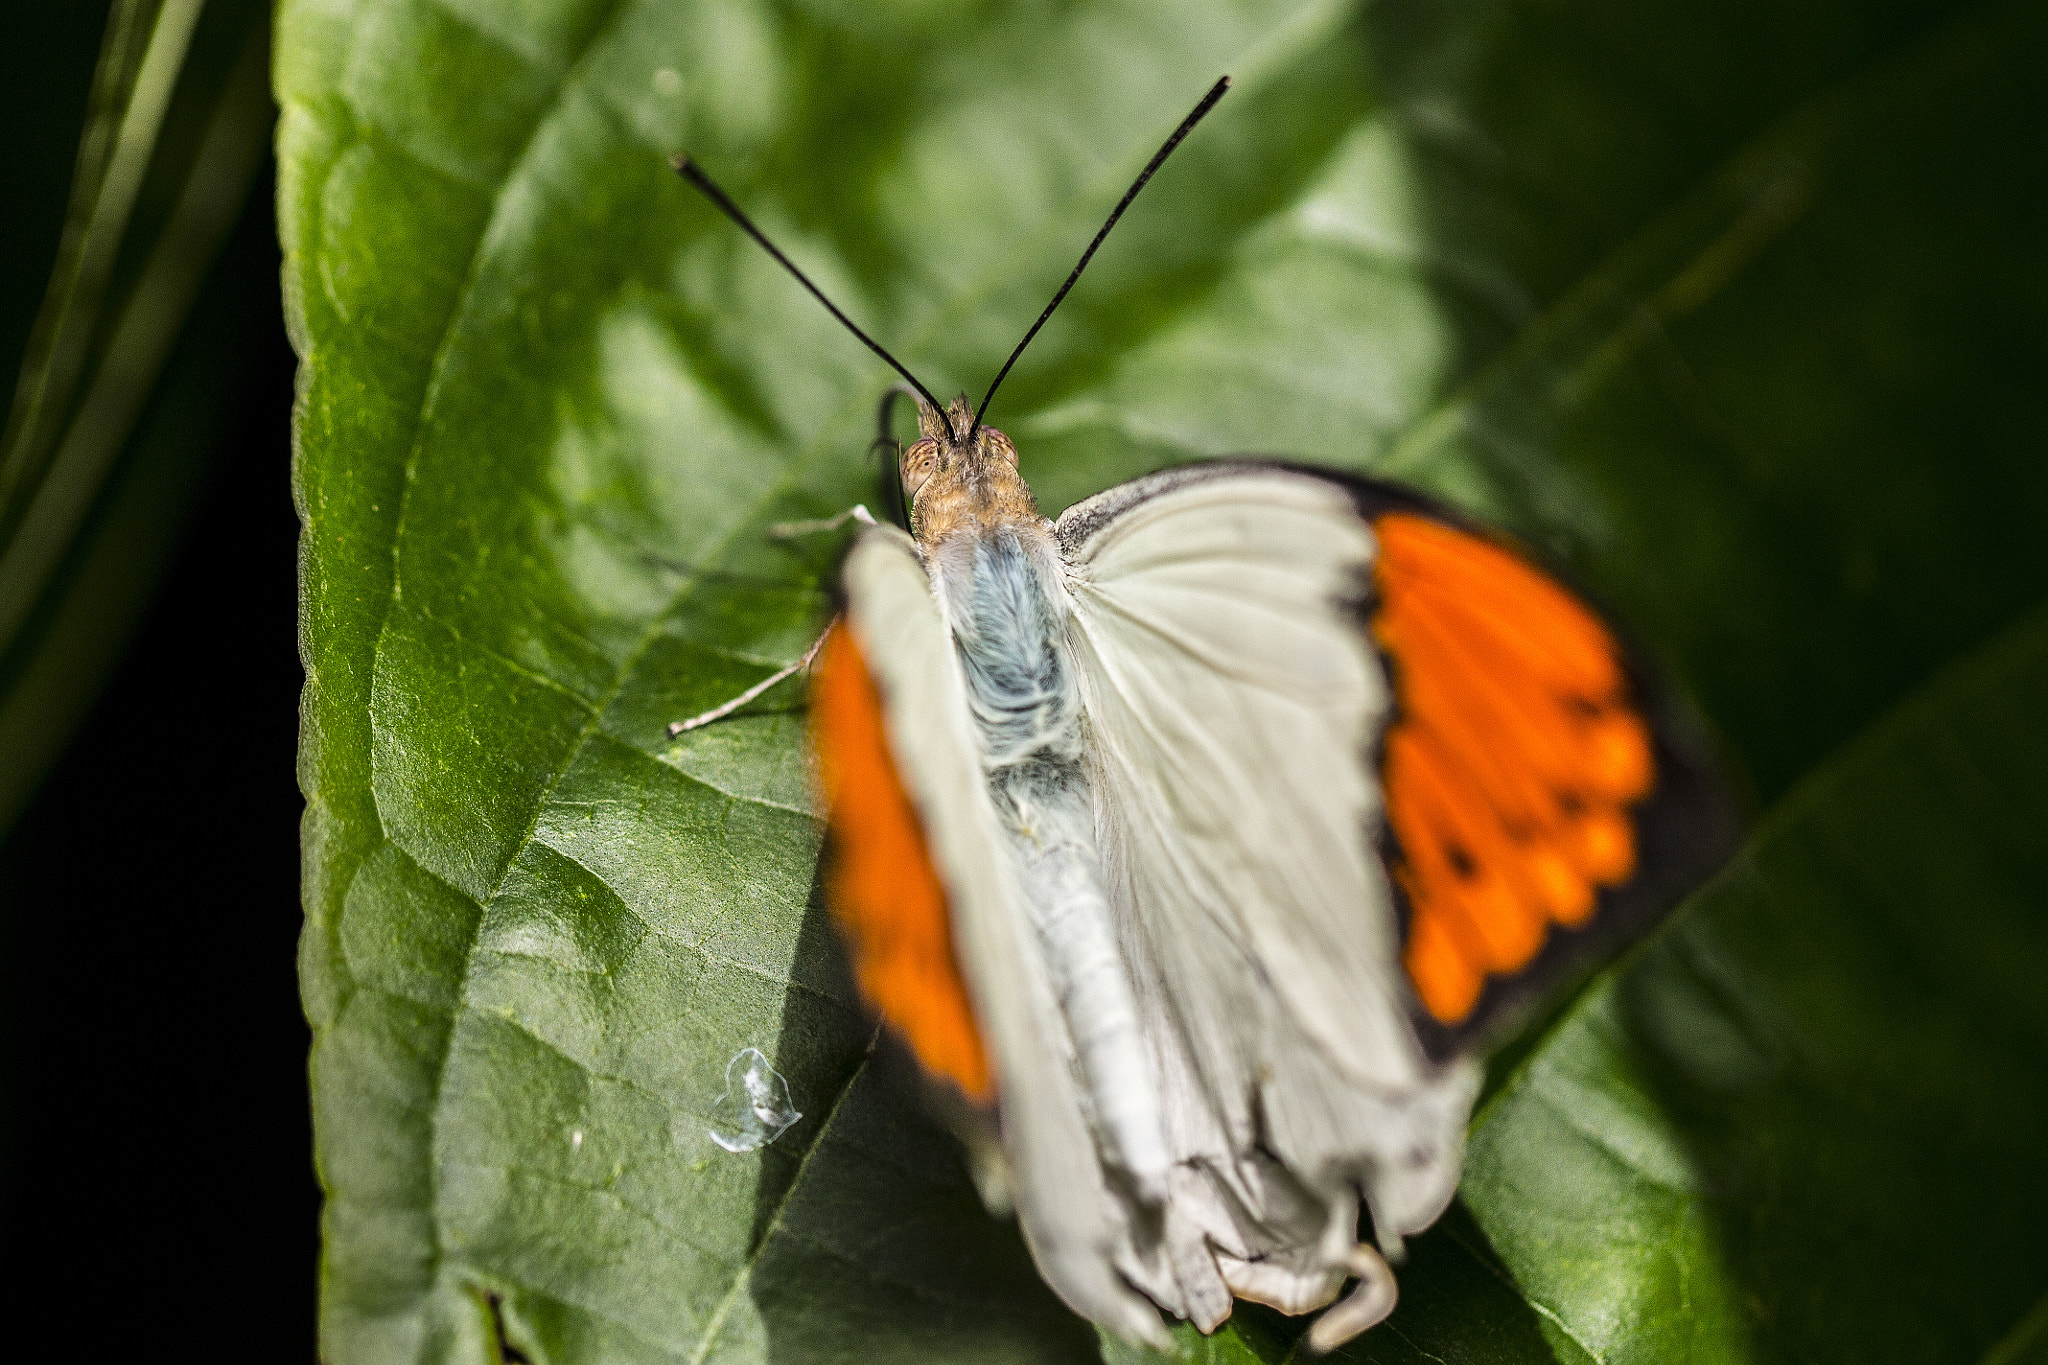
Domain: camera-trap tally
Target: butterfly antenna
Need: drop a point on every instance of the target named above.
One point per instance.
(1187, 126)
(690, 171)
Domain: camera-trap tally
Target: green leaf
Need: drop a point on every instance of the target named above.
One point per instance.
(1736, 309)
(1806, 1119)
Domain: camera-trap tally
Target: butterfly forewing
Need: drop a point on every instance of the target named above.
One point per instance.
(1048, 1153)
(880, 881)
(1544, 802)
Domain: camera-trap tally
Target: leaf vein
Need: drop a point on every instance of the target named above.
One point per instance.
(605, 1191)
(1601, 1142)
(436, 372)
(691, 945)
(753, 1258)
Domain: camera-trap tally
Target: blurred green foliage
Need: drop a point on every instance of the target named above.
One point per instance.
(1738, 309)
(120, 405)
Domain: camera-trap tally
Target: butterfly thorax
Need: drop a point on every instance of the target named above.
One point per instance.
(960, 480)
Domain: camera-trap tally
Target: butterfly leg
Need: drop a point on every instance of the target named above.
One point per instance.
(677, 727)
(790, 530)
(1366, 1306)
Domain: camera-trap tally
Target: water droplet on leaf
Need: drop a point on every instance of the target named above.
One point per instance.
(755, 1108)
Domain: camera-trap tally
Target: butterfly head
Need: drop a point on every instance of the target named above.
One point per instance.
(960, 478)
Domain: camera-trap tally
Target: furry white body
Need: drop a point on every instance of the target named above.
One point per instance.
(1003, 596)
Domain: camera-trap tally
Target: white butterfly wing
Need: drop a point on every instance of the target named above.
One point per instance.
(1234, 705)
(1207, 1047)
(1070, 1219)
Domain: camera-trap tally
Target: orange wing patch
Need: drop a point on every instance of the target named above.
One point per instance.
(880, 881)
(1514, 757)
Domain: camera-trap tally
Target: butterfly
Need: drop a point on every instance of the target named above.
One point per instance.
(1193, 842)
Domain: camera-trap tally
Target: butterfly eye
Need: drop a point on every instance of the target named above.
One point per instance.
(918, 463)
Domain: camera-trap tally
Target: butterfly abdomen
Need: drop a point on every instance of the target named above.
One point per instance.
(1007, 608)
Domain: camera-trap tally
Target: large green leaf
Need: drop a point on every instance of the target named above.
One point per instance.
(1824, 1083)
(1738, 309)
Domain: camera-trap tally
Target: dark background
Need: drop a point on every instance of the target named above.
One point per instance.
(155, 1178)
